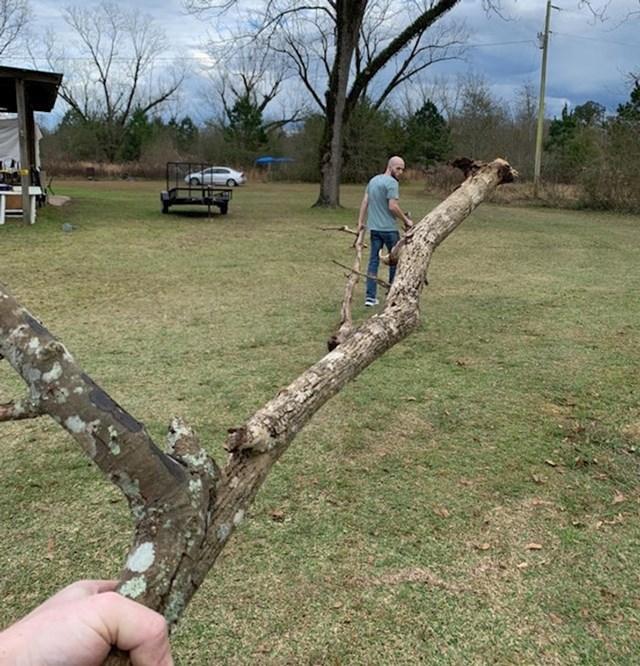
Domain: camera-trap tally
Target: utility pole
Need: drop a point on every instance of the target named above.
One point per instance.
(543, 78)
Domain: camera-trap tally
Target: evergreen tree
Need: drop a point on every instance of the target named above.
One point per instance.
(630, 111)
(427, 137)
(573, 141)
(78, 138)
(245, 127)
(590, 114)
(561, 131)
(614, 181)
(139, 132)
(185, 132)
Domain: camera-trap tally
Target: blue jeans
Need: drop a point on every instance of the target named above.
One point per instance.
(378, 240)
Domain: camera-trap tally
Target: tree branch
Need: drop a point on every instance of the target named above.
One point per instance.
(18, 410)
(183, 508)
(423, 21)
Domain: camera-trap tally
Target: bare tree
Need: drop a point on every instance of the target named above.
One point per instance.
(244, 88)
(184, 507)
(342, 52)
(520, 147)
(15, 16)
(112, 73)
(603, 10)
(480, 119)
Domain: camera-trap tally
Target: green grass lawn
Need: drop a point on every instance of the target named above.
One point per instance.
(472, 498)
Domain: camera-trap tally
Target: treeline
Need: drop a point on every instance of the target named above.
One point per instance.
(596, 154)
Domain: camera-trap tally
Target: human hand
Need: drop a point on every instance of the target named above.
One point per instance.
(408, 222)
(79, 625)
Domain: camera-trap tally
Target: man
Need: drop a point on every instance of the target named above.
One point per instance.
(381, 209)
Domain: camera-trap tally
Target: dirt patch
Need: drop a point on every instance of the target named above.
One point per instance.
(632, 431)
(58, 200)
(407, 575)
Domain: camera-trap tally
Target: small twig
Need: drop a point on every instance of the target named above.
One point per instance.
(344, 228)
(380, 282)
(18, 411)
(347, 230)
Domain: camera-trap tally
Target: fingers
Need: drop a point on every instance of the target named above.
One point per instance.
(81, 623)
(87, 588)
(74, 592)
(135, 629)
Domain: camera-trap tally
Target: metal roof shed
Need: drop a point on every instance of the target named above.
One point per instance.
(25, 91)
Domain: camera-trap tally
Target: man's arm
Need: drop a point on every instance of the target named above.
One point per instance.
(397, 212)
(362, 213)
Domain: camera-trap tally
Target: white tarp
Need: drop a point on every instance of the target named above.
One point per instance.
(10, 143)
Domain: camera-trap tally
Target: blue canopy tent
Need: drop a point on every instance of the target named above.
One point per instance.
(274, 160)
(265, 165)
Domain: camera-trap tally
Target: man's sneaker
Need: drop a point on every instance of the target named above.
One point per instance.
(370, 302)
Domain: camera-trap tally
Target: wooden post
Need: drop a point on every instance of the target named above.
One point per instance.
(26, 134)
(543, 77)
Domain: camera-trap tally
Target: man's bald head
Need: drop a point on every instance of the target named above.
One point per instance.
(395, 167)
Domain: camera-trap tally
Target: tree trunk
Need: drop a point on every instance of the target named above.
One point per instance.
(331, 164)
(184, 508)
(349, 16)
(340, 101)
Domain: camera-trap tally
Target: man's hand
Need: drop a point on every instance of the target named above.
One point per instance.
(79, 625)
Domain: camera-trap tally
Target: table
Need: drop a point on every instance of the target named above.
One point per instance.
(11, 202)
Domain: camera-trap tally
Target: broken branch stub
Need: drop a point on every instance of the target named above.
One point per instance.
(184, 509)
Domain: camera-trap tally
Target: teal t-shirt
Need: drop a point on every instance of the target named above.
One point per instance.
(380, 189)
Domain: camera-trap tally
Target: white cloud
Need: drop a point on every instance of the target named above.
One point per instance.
(587, 59)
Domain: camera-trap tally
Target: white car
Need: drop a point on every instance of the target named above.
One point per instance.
(216, 176)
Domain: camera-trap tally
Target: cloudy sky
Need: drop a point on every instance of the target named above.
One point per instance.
(587, 59)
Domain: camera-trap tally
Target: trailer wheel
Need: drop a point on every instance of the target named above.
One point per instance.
(224, 208)
(165, 207)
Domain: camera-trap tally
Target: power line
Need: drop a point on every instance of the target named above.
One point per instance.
(561, 34)
(523, 41)
(598, 41)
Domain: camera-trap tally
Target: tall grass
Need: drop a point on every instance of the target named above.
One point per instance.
(471, 498)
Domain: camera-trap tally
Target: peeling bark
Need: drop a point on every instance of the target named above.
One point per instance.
(184, 509)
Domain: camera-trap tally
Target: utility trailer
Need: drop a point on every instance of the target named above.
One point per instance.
(186, 187)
